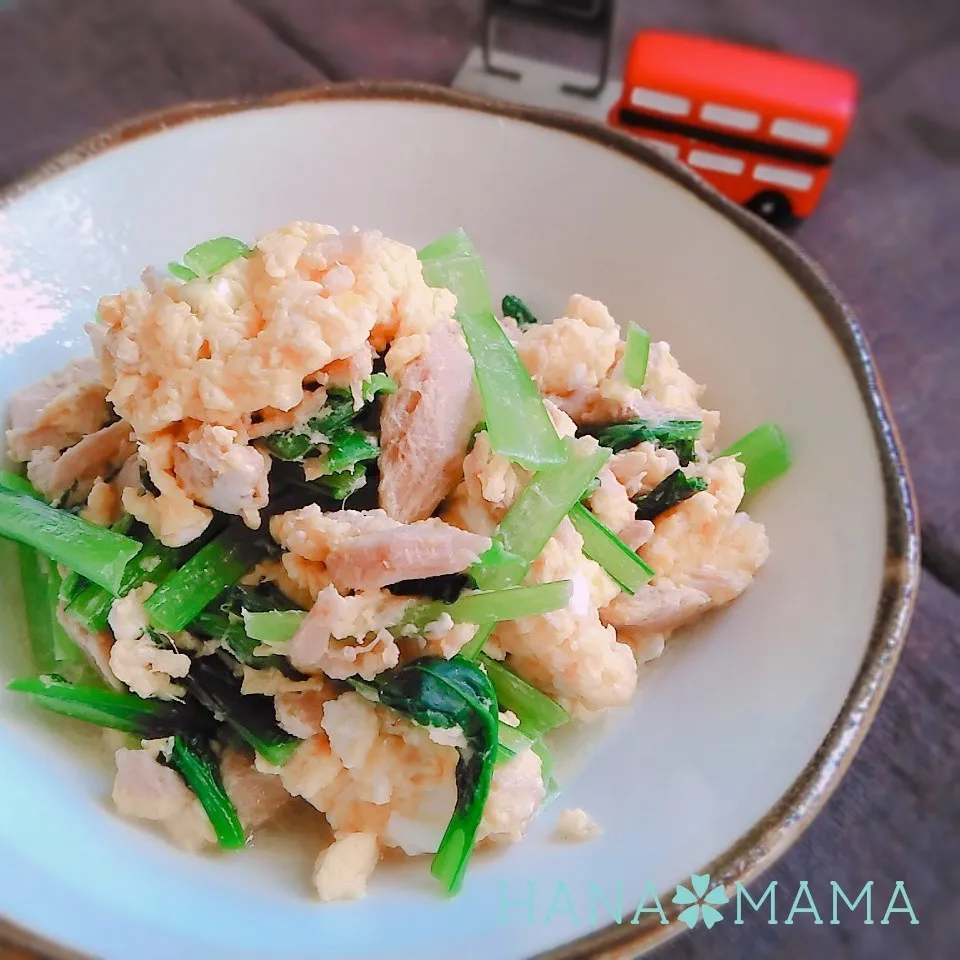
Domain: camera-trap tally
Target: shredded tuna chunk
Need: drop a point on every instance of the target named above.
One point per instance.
(367, 550)
(347, 636)
(96, 646)
(257, 796)
(705, 554)
(220, 471)
(425, 427)
(95, 457)
(428, 548)
(57, 411)
(146, 789)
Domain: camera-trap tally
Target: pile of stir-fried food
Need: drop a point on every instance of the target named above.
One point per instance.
(316, 526)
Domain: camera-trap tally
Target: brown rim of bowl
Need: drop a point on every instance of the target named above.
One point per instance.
(782, 826)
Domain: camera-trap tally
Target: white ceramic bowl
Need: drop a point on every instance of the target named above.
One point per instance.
(741, 730)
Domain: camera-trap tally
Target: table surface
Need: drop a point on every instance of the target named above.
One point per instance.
(888, 229)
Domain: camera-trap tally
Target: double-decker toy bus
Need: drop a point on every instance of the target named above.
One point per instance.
(762, 127)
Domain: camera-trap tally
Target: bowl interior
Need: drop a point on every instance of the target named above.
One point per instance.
(725, 721)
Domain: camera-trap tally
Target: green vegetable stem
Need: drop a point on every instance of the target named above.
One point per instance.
(606, 548)
(193, 761)
(635, 356)
(765, 454)
(534, 517)
(518, 424)
(98, 554)
(210, 571)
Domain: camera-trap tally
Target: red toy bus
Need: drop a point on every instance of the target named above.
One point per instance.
(762, 127)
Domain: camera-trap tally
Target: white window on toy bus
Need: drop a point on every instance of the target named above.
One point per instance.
(782, 176)
(662, 146)
(720, 162)
(809, 134)
(661, 102)
(730, 117)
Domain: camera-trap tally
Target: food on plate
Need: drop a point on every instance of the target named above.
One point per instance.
(317, 527)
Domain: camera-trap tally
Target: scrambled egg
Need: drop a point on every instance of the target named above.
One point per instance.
(193, 367)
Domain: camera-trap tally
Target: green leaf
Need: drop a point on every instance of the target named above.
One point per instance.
(181, 272)
(208, 257)
(512, 306)
(250, 716)
(672, 490)
(677, 435)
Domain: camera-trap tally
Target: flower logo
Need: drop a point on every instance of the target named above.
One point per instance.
(702, 904)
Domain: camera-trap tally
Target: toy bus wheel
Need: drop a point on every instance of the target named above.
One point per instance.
(773, 207)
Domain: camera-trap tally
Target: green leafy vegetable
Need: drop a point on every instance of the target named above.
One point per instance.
(208, 257)
(535, 516)
(181, 272)
(510, 603)
(324, 428)
(65, 649)
(512, 306)
(765, 454)
(510, 742)
(224, 621)
(668, 493)
(148, 719)
(272, 626)
(37, 600)
(218, 565)
(251, 716)
(15, 484)
(340, 486)
(536, 712)
(73, 584)
(155, 562)
(636, 355)
(677, 435)
(445, 586)
(192, 760)
(348, 448)
(451, 693)
(377, 384)
(279, 626)
(603, 545)
(99, 555)
(518, 424)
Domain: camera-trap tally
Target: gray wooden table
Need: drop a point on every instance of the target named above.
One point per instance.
(888, 230)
